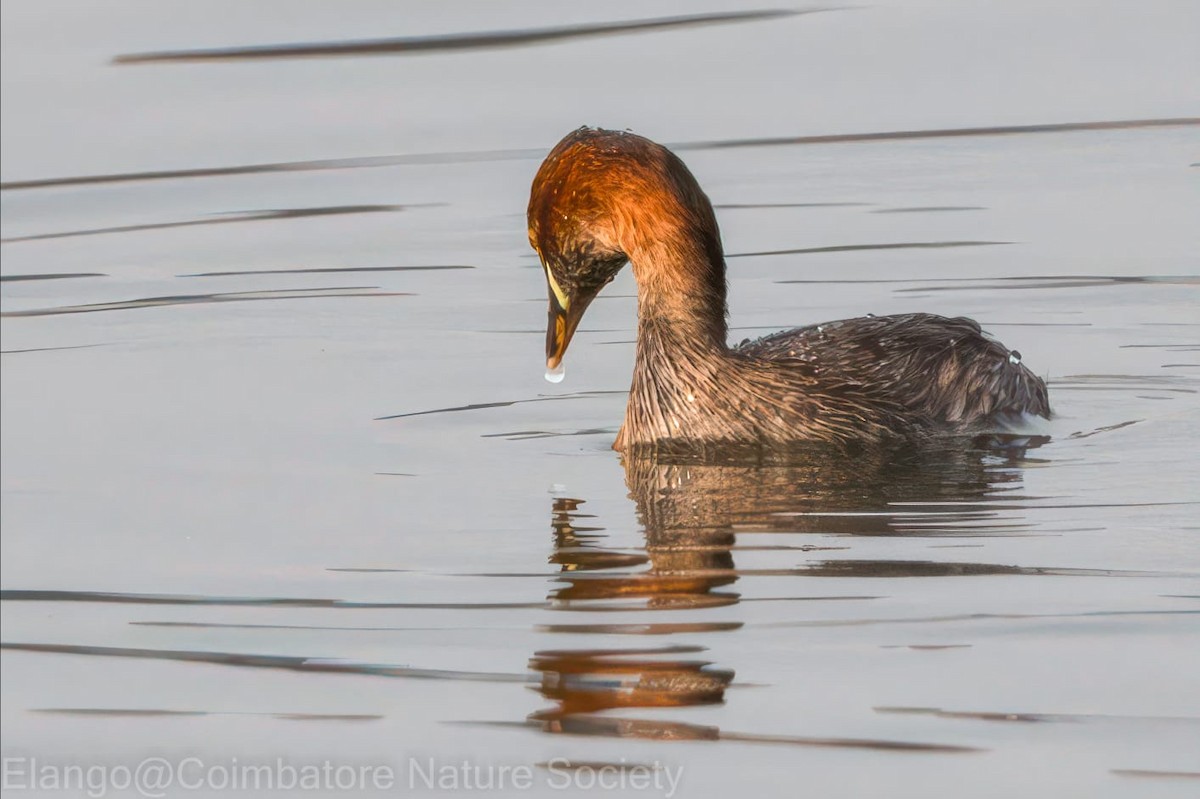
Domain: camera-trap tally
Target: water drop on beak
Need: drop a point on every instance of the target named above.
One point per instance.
(556, 374)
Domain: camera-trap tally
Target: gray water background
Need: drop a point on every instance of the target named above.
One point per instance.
(172, 468)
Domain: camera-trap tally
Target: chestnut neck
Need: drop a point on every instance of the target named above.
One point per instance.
(680, 272)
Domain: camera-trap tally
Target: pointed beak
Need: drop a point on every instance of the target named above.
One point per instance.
(561, 323)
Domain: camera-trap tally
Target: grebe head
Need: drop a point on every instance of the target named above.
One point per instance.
(602, 198)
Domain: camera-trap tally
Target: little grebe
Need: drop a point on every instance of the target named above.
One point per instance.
(602, 198)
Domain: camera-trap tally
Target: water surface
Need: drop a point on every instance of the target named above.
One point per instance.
(282, 477)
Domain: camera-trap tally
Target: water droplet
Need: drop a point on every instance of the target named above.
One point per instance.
(1014, 357)
(556, 374)
(870, 316)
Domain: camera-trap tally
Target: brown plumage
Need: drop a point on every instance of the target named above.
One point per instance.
(602, 198)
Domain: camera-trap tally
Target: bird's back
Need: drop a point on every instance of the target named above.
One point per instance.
(945, 370)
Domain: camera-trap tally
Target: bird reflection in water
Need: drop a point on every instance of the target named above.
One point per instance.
(692, 513)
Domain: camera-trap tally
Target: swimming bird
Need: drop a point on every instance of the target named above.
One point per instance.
(603, 198)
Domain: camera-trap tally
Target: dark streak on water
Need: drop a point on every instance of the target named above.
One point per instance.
(221, 219)
(327, 270)
(50, 276)
(20, 595)
(676, 649)
(1030, 717)
(929, 209)
(1139, 772)
(287, 662)
(1174, 384)
(741, 206)
(904, 245)
(51, 349)
(974, 617)
(1106, 429)
(663, 628)
(1027, 281)
(318, 165)
(943, 133)
(484, 405)
(200, 299)
(455, 41)
(1067, 282)
(1013, 506)
(860, 568)
(606, 727)
(923, 568)
(596, 765)
(526, 435)
(1039, 324)
(200, 625)
(118, 712)
(326, 716)
(531, 153)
